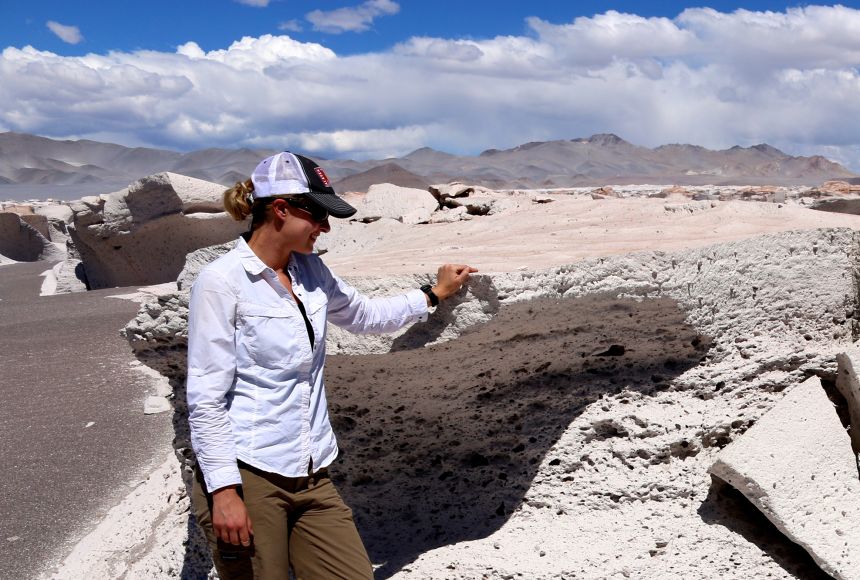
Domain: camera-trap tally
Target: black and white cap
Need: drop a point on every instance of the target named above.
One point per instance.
(287, 173)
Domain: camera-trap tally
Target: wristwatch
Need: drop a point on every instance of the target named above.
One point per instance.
(428, 290)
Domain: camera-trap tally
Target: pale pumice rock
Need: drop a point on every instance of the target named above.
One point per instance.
(38, 223)
(774, 305)
(140, 235)
(196, 260)
(796, 465)
(355, 237)
(848, 384)
(445, 215)
(59, 217)
(55, 211)
(22, 242)
(405, 204)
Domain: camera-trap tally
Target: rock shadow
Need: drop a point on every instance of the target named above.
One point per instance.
(725, 506)
(440, 444)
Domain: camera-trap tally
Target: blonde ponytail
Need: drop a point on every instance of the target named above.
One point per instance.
(236, 200)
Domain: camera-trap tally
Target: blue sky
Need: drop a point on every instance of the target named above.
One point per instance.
(163, 25)
(380, 77)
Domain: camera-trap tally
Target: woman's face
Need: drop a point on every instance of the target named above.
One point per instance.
(300, 227)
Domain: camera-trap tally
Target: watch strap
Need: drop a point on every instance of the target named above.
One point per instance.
(428, 290)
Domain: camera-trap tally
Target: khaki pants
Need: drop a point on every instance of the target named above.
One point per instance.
(299, 522)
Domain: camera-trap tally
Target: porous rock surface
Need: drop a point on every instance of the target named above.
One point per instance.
(568, 431)
(796, 465)
(140, 235)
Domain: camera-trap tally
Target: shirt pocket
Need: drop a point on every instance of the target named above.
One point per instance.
(274, 336)
(315, 307)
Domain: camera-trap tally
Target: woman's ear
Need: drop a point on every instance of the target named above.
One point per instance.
(279, 208)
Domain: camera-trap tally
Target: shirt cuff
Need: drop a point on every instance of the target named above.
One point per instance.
(417, 301)
(222, 477)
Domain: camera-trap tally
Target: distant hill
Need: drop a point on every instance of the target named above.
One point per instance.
(387, 173)
(38, 163)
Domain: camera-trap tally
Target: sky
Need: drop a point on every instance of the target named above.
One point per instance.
(380, 78)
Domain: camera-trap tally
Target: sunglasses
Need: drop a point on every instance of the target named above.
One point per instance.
(318, 213)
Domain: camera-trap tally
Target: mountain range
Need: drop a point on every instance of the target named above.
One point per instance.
(39, 164)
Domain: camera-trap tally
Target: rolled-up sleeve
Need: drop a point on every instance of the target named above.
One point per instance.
(211, 373)
(350, 309)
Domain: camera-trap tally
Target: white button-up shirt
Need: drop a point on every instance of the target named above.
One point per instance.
(255, 383)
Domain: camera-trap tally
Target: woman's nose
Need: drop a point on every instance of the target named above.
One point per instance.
(325, 226)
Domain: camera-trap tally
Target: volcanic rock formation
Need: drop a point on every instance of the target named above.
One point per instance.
(26, 238)
(140, 235)
(569, 428)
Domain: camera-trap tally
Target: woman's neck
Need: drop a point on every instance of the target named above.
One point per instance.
(269, 248)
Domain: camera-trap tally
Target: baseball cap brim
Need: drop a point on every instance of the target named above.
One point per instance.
(336, 206)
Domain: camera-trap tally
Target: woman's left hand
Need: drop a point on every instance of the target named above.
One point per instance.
(450, 278)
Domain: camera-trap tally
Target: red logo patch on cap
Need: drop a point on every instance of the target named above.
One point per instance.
(321, 174)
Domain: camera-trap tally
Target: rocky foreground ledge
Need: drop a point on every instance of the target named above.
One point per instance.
(562, 423)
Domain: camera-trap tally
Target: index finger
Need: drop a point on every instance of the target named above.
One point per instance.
(461, 267)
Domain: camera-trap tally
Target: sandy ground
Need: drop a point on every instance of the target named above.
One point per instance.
(75, 439)
(535, 236)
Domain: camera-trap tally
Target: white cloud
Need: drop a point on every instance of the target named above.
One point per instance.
(257, 3)
(70, 34)
(604, 37)
(290, 26)
(714, 79)
(354, 19)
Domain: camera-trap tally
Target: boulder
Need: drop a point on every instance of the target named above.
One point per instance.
(196, 260)
(59, 217)
(353, 238)
(141, 235)
(487, 204)
(55, 212)
(19, 209)
(38, 223)
(796, 465)
(446, 215)
(404, 204)
(443, 191)
(845, 205)
(848, 383)
(675, 191)
(838, 188)
(604, 192)
(22, 242)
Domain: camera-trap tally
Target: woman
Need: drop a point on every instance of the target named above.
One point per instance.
(256, 397)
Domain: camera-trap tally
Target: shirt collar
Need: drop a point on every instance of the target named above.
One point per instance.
(253, 265)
